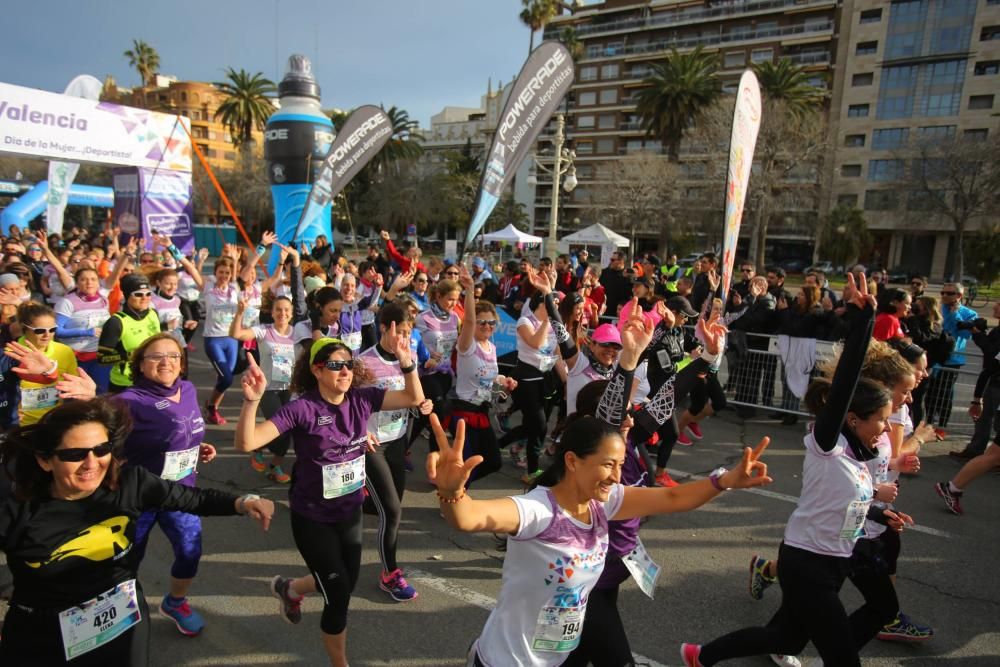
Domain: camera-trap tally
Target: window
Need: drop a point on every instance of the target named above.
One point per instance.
(989, 33)
(588, 98)
(605, 146)
(588, 73)
(981, 102)
(854, 140)
(847, 201)
(229, 156)
(866, 49)
(886, 170)
(735, 59)
(609, 96)
(921, 200)
(887, 139)
(857, 111)
(871, 16)
(762, 55)
(850, 170)
(584, 147)
(606, 121)
(941, 105)
(880, 200)
(897, 88)
(978, 134)
(937, 132)
(864, 79)
(584, 122)
(730, 87)
(987, 67)
(184, 96)
(609, 71)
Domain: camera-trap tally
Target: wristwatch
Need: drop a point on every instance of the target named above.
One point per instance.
(715, 478)
(246, 498)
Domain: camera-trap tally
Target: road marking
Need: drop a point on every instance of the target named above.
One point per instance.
(794, 500)
(477, 599)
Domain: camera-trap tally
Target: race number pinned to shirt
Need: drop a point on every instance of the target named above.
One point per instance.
(352, 340)
(446, 343)
(643, 568)
(100, 620)
(282, 360)
(391, 424)
(854, 520)
(341, 479)
(40, 398)
(558, 629)
(546, 362)
(178, 465)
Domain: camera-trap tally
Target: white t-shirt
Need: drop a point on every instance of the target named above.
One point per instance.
(641, 375)
(552, 564)
(836, 493)
(220, 307)
(303, 331)
(277, 356)
(577, 378)
(878, 467)
(83, 314)
(544, 357)
(169, 310)
(439, 336)
(187, 288)
(477, 369)
(387, 425)
(901, 416)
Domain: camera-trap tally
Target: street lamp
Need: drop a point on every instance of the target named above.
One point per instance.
(562, 165)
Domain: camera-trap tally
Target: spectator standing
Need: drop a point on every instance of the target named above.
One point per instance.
(986, 396)
(617, 288)
(918, 284)
(703, 281)
(924, 327)
(892, 310)
(581, 263)
(941, 385)
(756, 315)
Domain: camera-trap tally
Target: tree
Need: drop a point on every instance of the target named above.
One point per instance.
(572, 43)
(109, 90)
(144, 59)
(957, 180)
(247, 105)
(535, 14)
(789, 83)
(844, 235)
(678, 91)
(982, 254)
(404, 144)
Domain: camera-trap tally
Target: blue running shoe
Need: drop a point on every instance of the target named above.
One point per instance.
(188, 621)
(759, 581)
(394, 583)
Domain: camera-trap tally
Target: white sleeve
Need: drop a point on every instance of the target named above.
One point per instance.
(614, 501)
(259, 333)
(64, 307)
(534, 512)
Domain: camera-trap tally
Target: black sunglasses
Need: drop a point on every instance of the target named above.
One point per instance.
(613, 345)
(40, 331)
(486, 323)
(77, 454)
(451, 273)
(943, 293)
(338, 364)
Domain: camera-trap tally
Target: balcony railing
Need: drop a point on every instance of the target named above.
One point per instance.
(679, 16)
(611, 51)
(810, 58)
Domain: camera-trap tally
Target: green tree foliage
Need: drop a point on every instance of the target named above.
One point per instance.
(247, 105)
(844, 235)
(982, 254)
(789, 83)
(144, 59)
(535, 14)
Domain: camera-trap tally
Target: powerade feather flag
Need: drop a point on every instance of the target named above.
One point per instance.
(365, 132)
(540, 87)
(746, 124)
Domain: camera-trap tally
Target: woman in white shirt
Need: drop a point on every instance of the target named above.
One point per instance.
(221, 299)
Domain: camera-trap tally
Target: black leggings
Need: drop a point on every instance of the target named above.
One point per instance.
(707, 390)
(668, 438)
(385, 479)
(435, 386)
(34, 638)
(481, 441)
(603, 642)
(811, 610)
(332, 552)
(270, 403)
(529, 398)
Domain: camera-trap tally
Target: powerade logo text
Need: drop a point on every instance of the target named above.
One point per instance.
(25, 114)
(527, 95)
(340, 152)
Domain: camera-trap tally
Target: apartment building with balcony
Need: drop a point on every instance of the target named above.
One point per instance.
(622, 38)
(909, 71)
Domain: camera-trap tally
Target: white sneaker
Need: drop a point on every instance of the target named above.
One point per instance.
(785, 660)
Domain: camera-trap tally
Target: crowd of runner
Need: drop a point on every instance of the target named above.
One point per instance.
(350, 364)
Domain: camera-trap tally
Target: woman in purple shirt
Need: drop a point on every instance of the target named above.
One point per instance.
(329, 427)
(166, 440)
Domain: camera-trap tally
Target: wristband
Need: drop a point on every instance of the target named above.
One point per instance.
(242, 500)
(408, 369)
(260, 250)
(451, 501)
(175, 252)
(714, 478)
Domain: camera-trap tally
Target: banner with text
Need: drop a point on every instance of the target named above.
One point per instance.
(50, 125)
(154, 201)
(540, 87)
(746, 124)
(363, 135)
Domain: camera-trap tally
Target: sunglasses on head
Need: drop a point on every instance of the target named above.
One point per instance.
(77, 454)
(41, 331)
(339, 364)
(486, 323)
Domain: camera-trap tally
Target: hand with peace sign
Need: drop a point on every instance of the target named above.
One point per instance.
(856, 292)
(750, 471)
(712, 332)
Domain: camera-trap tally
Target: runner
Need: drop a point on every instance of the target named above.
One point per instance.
(68, 535)
(125, 330)
(328, 422)
(354, 303)
(79, 318)
(166, 300)
(221, 298)
(438, 327)
(325, 308)
(39, 394)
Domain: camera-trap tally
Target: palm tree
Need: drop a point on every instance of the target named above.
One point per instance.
(789, 83)
(404, 144)
(536, 14)
(247, 105)
(570, 40)
(144, 59)
(678, 91)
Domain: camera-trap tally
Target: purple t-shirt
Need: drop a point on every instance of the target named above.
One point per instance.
(324, 435)
(623, 535)
(166, 436)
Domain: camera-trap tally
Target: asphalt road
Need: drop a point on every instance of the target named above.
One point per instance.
(945, 569)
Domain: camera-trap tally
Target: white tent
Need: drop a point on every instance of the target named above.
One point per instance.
(512, 234)
(595, 235)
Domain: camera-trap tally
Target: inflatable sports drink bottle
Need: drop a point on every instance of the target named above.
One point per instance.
(296, 139)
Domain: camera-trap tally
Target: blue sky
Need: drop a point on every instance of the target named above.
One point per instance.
(419, 54)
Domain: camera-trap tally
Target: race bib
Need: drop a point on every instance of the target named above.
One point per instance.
(100, 620)
(446, 343)
(391, 424)
(92, 319)
(558, 629)
(179, 465)
(41, 398)
(352, 340)
(546, 362)
(854, 520)
(282, 361)
(251, 317)
(225, 315)
(341, 479)
(643, 568)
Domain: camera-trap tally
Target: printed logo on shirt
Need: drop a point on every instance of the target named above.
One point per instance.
(102, 541)
(163, 405)
(324, 420)
(363, 440)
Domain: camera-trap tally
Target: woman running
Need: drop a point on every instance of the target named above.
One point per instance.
(325, 307)
(68, 534)
(166, 300)
(329, 423)
(80, 315)
(354, 303)
(125, 330)
(438, 327)
(39, 394)
(221, 298)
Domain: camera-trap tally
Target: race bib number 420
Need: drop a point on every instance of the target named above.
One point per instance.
(100, 620)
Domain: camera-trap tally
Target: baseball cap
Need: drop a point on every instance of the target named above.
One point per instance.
(479, 263)
(134, 282)
(680, 304)
(653, 259)
(606, 333)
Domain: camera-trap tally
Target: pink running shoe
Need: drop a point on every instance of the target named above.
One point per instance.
(695, 431)
(690, 654)
(212, 415)
(682, 439)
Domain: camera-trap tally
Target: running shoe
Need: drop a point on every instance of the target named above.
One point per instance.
(258, 462)
(951, 499)
(395, 585)
(519, 457)
(188, 621)
(664, 479)
(941, 433)
(759, 581)
(785, 660)
(682, 439)
(903, 629)
(695, 431)
(278, 475)
(289, 607)
(212, 415)
(689, 655)
(529, 478)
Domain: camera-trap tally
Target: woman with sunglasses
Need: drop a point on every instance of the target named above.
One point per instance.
(38, 328)
(80, 316)
(329, 424)
(419, 290)
(69, 533)
(166, 440)
(127, 329)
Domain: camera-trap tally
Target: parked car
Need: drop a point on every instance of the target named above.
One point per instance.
(793, 265)
(899, 274)
(826, 267)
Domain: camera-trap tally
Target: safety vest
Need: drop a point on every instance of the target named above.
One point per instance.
(670, 270)
(134, 332)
